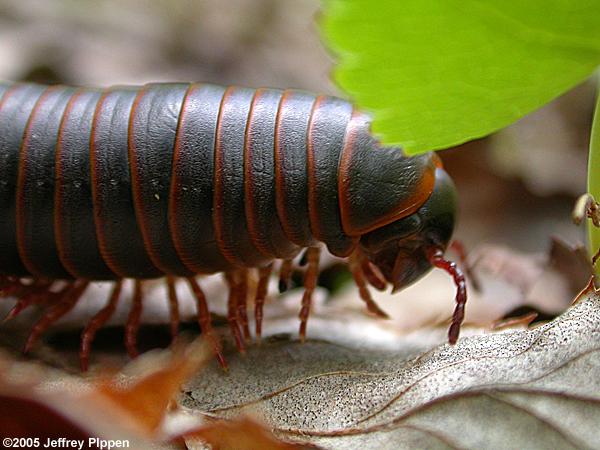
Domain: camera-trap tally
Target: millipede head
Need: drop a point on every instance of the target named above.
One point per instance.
(401, 250)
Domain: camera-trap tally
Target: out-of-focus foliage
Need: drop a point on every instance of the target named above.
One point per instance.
(594, 176)
(85, 42)
(437, 73)
(538, 148)
(41, 402)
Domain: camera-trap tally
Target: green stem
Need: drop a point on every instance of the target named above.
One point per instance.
(593, 186)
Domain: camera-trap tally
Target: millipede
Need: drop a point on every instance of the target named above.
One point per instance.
(178, 180)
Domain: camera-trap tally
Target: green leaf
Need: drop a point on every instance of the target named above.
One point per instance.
(594, 176)
(436, 73)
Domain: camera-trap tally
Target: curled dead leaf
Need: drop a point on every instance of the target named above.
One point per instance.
(241, 434)
(117, 407)
(146, 400)
(494, 390)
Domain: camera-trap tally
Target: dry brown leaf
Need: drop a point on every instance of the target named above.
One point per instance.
(133, 408)
(547, 281)
(31, 411)
(241, 434)
(146, 400)
(515, 389)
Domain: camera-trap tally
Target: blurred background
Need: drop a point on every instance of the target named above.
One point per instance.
(517, 187)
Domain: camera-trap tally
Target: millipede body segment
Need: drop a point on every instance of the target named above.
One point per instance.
(180, 180)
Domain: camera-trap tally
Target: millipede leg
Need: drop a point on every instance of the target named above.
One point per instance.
(22, 303)
(264, 273)
(285, 275)
(310, 282)
(10, 286)
(436, 257)
(354, 264)
(30, 295)
(173, 307)
(459, 249)
(374, 277)
(232, 317)
(66, 303)
(133, 320)
(97, 322)
(6, 281)
(205, 321)
(242, 300)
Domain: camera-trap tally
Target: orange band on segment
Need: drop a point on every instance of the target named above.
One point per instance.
(218, 205)
(408, 206)
(437, 161)
(103, 247)
(280, 176)
(58, 206)
(10, 91)
(98, 219)
(311, 175)
(250, 206)
(135, 184)
(356, 121)
(20, 203)
(173, 198)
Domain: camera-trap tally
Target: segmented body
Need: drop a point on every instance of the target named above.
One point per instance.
(188, 179)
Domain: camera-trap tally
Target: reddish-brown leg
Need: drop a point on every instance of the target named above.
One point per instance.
(459, 248)
(133, 320)
(242, 303)
(6, 281)
(310, 282)
(354, 263)
(15, 287)
(97, 322)
(22, 303)
(232, 318)
(56, 311)
(173, 307)
(264, 273)
(36, 293)
(373, 275)
(11, 286)
(436, 257)
(285, 274)
(205, 321)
